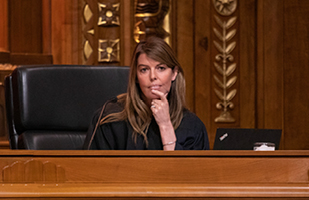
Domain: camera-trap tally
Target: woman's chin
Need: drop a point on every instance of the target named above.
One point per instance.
(153, 96)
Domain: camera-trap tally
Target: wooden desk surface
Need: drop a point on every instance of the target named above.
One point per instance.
(156, 174)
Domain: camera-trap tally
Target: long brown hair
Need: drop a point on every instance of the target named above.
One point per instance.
(135, 109)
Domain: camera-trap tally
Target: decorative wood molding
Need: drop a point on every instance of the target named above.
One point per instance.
(224, 61)
(225, 7)
(108, 51)
(149, 19)
(108, 14)
(32, 171)
(7, 67)
(101, 30)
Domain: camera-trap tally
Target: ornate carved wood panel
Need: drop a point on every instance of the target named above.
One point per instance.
(149, 18)
(108, 36)
(101, 30)
(225, 64)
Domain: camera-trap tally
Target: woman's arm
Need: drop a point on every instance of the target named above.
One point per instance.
(160, 111)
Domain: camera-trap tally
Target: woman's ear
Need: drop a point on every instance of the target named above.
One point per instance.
(175, 73)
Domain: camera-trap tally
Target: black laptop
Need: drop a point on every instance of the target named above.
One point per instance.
(244, 139)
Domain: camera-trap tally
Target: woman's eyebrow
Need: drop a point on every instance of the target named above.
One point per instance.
(161, 64)
(142, 65)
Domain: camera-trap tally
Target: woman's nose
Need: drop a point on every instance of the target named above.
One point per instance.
(153, 75)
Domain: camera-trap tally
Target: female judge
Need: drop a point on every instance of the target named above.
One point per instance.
(152, 114)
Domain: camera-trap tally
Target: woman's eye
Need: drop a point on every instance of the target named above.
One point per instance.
(143, 70)
(161, 68)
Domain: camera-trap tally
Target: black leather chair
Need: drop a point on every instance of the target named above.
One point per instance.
(49, 107)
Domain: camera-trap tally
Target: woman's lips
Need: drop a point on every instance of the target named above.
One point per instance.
(154, 87)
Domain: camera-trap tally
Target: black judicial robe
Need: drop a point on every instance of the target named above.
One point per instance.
(191, 133)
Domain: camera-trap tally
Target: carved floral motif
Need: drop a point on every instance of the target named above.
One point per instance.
(108, 50)
(224, 60)
(101, 32)
(108, 14)
(225, 7)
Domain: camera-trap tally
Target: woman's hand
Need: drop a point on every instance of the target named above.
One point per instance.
(160, 111)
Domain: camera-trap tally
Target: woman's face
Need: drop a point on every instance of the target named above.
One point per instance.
(153, 75)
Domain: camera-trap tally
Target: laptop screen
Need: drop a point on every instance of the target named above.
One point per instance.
(244, 139)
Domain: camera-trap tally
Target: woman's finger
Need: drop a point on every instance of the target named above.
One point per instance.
(161, 95)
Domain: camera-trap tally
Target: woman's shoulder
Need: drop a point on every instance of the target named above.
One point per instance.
(113, 105)
(191, 119)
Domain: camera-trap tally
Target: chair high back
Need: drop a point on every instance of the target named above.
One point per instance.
(49, 107)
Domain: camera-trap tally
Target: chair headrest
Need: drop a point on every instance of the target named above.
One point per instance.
(63, 97)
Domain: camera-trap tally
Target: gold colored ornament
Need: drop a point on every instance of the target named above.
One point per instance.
(226, 81)
(225, 7)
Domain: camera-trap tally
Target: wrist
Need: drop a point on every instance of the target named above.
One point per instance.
(166, 126)
(169, 143)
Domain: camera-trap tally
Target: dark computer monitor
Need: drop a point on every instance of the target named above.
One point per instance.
(244, 139)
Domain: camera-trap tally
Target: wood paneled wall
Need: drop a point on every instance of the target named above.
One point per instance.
(66, 33)
(271, 54)
(295, 74)
(26, 40)
(283, 55)
(4, 43)
(271, 67)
